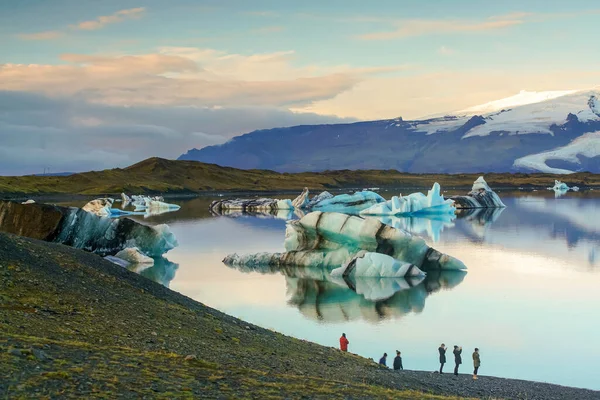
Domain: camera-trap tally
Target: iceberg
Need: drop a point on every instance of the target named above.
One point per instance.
(560, 186)
(376, 265)
(133, 255)
(426, 225)
(414, 204)
(251, 205)
(84, 230)
(331, 231)
(116, 260)
(480, 196)
(100, 207)
(125, 200)
(318, 198)
(30, 201)
(277, 214)
(348, 203)
(302, 200)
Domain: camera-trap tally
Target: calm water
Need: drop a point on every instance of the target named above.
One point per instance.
(530, 299)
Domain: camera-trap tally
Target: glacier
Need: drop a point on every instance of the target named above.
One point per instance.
(414, 204)
(480, 196)
(376, 265)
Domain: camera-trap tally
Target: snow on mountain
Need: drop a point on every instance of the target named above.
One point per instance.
(539, 117)
(587, 145)
(522, 98)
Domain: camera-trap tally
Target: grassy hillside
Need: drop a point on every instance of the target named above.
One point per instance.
(156, 175)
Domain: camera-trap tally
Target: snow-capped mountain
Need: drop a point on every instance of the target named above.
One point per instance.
(556, 131)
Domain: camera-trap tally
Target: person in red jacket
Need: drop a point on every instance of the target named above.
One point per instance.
(344, 342)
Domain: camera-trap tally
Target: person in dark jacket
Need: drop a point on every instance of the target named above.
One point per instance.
(476, 362)
(398, 361)
(442, 350)
(382, 359)
(344, 342)
(457, 358)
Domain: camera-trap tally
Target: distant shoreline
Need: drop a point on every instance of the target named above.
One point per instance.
(181, 178)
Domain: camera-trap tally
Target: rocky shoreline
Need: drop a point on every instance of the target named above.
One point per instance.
(75, 325)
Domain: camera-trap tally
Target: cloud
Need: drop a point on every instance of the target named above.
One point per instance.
(188, 77)
(422, 27)
(103, 20)
(70, 134)
(98, 23)
(47, 35)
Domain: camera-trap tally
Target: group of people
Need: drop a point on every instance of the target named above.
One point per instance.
(458, 359)
(442, 350)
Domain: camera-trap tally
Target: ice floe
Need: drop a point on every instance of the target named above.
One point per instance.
(414, 204)
(480, 196)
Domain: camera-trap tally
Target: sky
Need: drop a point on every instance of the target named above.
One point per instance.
(89, 85)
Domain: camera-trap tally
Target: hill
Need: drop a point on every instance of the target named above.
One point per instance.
(157, 175)
(553, 134)
(76, 326)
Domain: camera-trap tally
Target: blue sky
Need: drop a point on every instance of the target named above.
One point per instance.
(271, 63)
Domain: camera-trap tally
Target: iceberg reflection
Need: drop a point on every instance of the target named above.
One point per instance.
(321, 297)
(163, 271)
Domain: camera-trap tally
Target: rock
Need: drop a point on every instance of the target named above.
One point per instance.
(37, 221)
(40, 354)
(190, 357)
(302, 200)
(15, 352)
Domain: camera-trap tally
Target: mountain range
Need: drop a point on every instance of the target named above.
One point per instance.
(552, 132)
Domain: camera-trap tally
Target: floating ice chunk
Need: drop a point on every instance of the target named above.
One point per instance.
(125, 199)
(251, 205)
(575, 188)
(28, 202)
(157, 205)
(318, 198)
(414, 204)
(349, 203)
(332, 231)
(321, 259)
(101, 207)
(426, 225)
(560, 186)
(367, 264)
(119, 261)
(302, 200)
(133, 255)
(480, 196)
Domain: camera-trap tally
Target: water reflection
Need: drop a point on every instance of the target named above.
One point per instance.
(319, 296)
(163, 271)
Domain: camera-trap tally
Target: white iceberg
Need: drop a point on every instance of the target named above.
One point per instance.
(302, 200)
(560, 186)
(376, 265)
(125, 200)
(426, 225)
(30, 201)
(133, 255)
(100, 207)
(414, 204)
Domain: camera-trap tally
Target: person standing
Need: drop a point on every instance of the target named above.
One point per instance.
(457, 358)
(476, 362)
(344, 343)
(442, 350)
(382, 360)
(398, 361)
